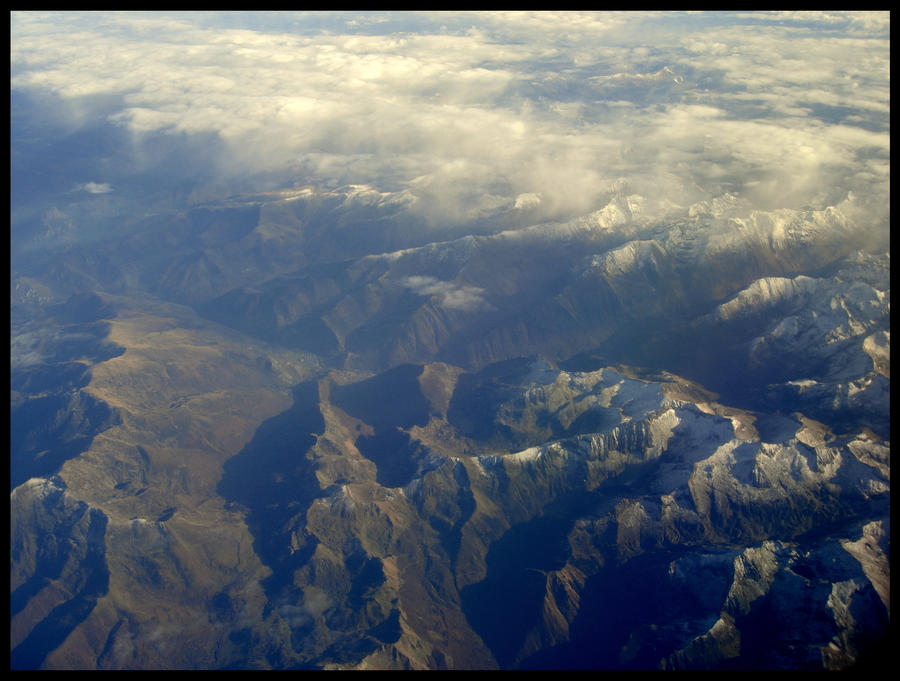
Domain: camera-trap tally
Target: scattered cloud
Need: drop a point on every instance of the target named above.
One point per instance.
(449, 294)
(313, 604)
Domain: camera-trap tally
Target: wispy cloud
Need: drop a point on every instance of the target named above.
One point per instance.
(449, 294)
(94, 187)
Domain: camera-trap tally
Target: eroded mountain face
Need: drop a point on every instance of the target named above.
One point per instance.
(303, 436)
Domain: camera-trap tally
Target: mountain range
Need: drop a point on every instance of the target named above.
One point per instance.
(299, 429)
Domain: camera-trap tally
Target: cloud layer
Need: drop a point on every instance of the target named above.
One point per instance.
(480, 112)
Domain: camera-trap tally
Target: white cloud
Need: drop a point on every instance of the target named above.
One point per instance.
(449, 294)
(470, 112)
(527, 200)
(94, 187)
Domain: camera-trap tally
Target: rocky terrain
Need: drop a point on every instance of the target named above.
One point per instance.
(306, 434)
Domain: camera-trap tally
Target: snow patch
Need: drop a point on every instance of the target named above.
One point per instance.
(530, 454)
